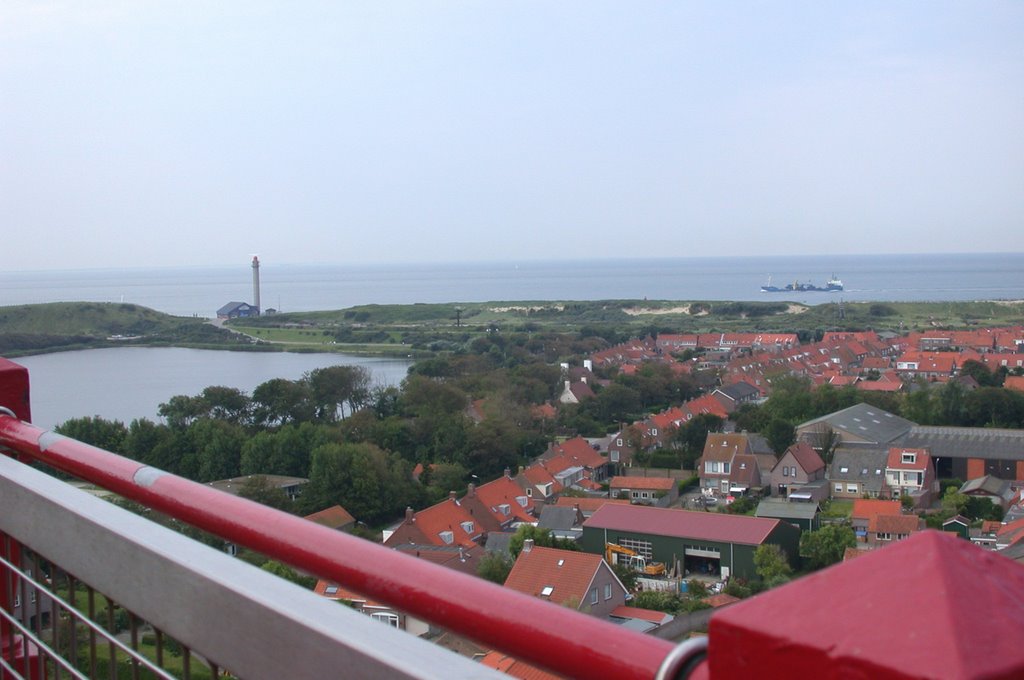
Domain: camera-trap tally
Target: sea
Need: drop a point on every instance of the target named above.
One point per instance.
(128, 383)
(200, 291)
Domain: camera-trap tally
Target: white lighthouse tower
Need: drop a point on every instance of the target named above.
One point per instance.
(256, 285)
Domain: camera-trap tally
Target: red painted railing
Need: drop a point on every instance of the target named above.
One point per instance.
(930, 606)
(549, 636)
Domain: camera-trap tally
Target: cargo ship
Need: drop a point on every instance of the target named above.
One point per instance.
(831, 286)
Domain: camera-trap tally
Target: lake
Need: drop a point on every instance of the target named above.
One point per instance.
(124, 383)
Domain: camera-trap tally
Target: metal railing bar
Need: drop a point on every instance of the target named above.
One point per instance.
(27, 637)
(561, 640)
(9, 669)
(159, 638)
(90, 595)
(133, 626)
(111, 651)
(184, 588)
(94, 627)
(72, 598)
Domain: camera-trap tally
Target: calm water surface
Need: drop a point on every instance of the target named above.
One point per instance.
(125, 383)
(200, 291)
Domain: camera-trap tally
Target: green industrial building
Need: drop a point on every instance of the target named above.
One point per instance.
(703, 543)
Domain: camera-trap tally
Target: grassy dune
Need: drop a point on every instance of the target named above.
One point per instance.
(412, 330)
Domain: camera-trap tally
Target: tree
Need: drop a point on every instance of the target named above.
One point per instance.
(226, 403)
(827, 441)
(281, 401)
(627, 575)
(772, 565)
(616, 403)
(335, 386)
(780, 435)
(541, 538)
(370, 483)
(257, 488)
(495, 567)
(284, 571)
(827, 545)
(979, 371)
(693, 434)
(101, 433)
(444, 477)
(180, 411)
(218, 448)
(150, 443)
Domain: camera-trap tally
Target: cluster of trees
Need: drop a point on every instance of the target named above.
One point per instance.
(356, 443)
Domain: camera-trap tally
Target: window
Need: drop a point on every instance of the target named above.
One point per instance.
(618, 442)
(909, 457)
(884, 536)
(447, 537)
(654, 431)
(386, 617)
(331, 590)
(839, 488)
(506, 509)
(593, 595)
(641, 547)
(614, 456)
(851, 488)
(844, 469)
(743, 466)
(725, 468)
(607, 591)
(644, 495)
(468, 527)
(546, 591)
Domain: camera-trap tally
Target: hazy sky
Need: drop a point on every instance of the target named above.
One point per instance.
(178, 133)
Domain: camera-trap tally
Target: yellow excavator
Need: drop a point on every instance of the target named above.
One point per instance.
(616, 554)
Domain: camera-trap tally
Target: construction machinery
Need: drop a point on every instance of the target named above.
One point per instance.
(617, 554)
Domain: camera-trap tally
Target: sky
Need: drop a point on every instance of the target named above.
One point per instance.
(196, 133)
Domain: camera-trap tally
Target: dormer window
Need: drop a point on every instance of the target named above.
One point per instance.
(506, 509)
(467, 527)
(447, 537)
(909, 457)
(522, 500)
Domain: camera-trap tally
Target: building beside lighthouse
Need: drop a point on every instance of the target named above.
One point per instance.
(243, 310)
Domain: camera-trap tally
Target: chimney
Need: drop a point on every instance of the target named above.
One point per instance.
(583, 380)
(527, 545)
(452, 495)
(508, 472)
(410, 516)
(471, 489)
(462, 555)
(588, 364)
